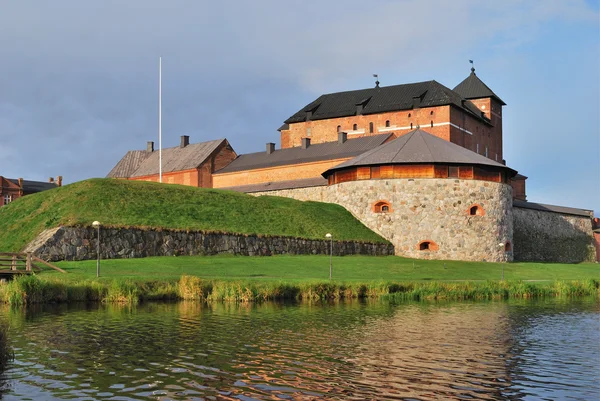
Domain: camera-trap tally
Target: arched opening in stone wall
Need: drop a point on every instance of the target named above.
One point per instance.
(476, 210)
(507, 246)
(427, 245)
(382, 206)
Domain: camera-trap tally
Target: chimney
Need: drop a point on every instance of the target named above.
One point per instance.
(270, 147)
(51, 179)
(342, 137)
(359, 109)
(20, 183)
(59, 181)
(305, 143)
(185, 141)
(150, 146)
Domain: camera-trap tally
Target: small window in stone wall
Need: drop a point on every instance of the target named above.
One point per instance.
(427, 245)
(355, 127)
(370, 127)
(387, 123)
(507, 246)
(476, 210)
(382, 207)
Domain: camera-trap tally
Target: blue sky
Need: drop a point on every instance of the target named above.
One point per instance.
(78, 86)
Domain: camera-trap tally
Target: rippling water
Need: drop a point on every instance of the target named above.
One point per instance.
(518, 350)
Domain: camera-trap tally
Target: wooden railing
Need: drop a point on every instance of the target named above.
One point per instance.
(22, 263)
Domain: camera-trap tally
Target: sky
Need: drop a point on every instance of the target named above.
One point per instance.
(79, 80)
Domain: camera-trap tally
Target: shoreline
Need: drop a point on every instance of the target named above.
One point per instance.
(35, 290)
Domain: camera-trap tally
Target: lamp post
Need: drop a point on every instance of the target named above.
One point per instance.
(96, 224)
(501, 245)
(330, 237)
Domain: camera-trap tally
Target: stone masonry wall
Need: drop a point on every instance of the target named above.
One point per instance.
(435, 210)
(542, 236)
(80, 243)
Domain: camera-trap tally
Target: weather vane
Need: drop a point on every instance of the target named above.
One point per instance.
(472, 66)
(376, 76)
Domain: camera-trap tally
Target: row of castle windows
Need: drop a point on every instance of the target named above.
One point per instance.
(386, 207)
(429, 245)
(371, 126)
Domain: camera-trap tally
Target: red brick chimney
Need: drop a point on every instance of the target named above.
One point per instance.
(59, 181)
(20, 183)
(51, 179)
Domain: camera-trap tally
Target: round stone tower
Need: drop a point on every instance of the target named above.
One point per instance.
(431, 198)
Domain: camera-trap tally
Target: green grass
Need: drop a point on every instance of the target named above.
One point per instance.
(250, 279)
(121, 203)
(316, 267)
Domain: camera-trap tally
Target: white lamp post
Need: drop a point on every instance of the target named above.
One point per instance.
(96, 224)
(501, 245)
(330, 237)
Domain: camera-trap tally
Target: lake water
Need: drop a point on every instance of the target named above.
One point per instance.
(505, 350)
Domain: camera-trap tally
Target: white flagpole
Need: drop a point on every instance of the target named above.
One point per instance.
(160, 119)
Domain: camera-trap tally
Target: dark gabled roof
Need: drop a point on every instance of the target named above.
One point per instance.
(552, 208)
(384, 99)
(30, 187)
(138, 163)
(297, 155)
(418, 147)
(279, 185)
(128, 164)
(473, 88)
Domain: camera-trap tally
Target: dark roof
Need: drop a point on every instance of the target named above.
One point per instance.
(279, 185)
(473, 88)
(552, 208)
(128, 164)
(418, 147)
(30, 187)
(384, 99)
(296, 155)
(139, 163)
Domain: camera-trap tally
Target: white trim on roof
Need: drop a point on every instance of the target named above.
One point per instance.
(395, 128)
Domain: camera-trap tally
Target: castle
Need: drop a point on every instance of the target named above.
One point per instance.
(421, 164)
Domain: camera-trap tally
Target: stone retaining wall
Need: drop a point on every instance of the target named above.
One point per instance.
(542, 236)
(79, 243)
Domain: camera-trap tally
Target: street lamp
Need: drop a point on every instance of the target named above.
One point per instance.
(501, 245)
(96, 224)
(330, 238)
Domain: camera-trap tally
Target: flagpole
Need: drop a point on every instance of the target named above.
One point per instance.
(160, 119)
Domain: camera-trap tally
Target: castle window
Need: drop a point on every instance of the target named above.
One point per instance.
(308, 132)
(382, 207)
(410, 125)
(387, 123)
(7, 199)
(431, 123)
(371, 127)
(339, 128)
(431, 113)
(355, 127)
(408, 115)
(476, 210)
(507, 246)
(427, 245)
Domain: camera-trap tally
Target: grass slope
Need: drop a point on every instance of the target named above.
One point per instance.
(120, 203)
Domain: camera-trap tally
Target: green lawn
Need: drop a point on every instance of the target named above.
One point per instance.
(296, 269)
(121, 203)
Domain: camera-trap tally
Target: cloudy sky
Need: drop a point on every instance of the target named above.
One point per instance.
(78, 80)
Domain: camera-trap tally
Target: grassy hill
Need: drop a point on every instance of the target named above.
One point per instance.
(120, 203)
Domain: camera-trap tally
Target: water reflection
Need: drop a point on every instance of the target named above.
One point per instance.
(338, 351)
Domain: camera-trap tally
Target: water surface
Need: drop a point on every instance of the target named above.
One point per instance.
(516, 350)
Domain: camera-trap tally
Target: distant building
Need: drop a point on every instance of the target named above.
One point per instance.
(12, 189)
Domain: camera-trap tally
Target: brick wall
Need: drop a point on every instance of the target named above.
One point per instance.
(281, 173)
(8, 188)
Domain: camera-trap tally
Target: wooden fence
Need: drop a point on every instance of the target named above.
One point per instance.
(22, 263)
